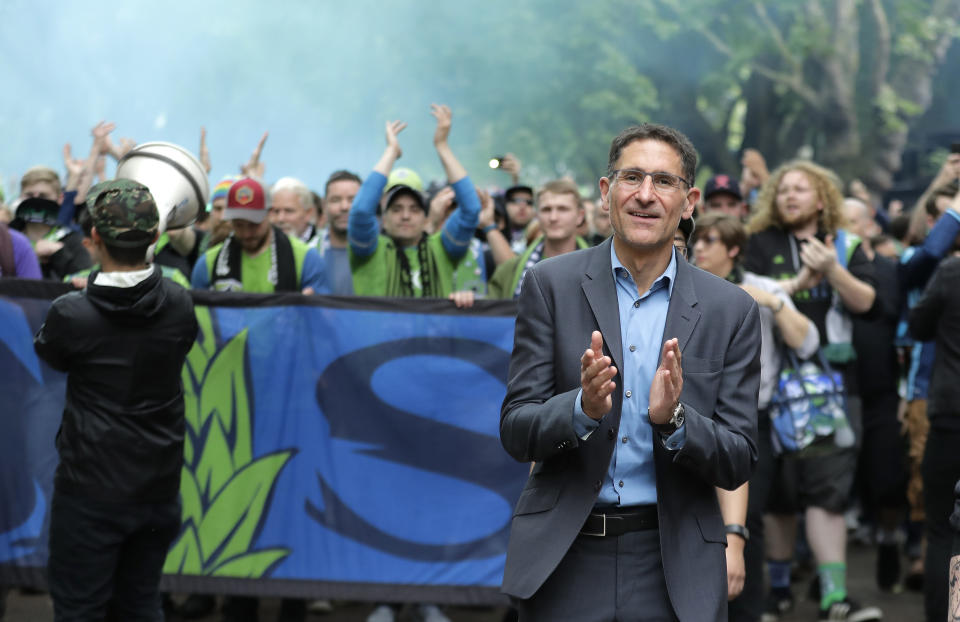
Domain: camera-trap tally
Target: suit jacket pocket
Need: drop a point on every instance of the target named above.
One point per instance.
(711, 528)
(696, 365)
(533, 500)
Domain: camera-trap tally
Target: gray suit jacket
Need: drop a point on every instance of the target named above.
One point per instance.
(562, 301)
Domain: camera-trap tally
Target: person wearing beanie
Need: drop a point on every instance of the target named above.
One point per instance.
(404, 261)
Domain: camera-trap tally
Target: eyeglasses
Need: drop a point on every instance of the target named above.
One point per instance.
(662, 182)
(523, 200)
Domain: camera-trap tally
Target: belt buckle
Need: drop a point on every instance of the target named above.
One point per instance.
(602, 533)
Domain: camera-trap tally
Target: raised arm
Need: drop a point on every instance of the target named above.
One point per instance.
(455, 171)
(459, 228)
(362, 227)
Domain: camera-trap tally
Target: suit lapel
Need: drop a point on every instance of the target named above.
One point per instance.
(682, 315)
(601, 293)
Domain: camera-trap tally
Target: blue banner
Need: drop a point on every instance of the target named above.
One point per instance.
(342, 448)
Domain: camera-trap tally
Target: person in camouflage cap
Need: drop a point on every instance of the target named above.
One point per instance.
(124, 213)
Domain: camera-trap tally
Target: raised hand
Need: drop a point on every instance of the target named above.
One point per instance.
(204, 152)
(393, 128)
(254, 167)
(667, 383)
(596, 379)
(74, 166)
(512, 165)
(488, 215)
(444, 117)
(101, 138)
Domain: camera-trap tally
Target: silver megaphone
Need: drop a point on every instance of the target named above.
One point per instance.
(176, 179)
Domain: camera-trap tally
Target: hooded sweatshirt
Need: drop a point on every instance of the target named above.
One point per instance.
(123, 348)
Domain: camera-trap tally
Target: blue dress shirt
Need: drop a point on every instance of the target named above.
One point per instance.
(631, 477)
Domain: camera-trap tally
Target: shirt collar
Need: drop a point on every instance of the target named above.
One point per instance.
(670, 273)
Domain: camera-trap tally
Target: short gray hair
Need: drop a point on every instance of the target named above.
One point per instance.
(296, 186)
(662, 133)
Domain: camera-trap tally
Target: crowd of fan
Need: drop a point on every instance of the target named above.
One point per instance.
(845, 276)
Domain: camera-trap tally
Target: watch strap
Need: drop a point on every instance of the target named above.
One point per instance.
(737, 530)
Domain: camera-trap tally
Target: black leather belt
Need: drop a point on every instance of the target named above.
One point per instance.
(618, 521)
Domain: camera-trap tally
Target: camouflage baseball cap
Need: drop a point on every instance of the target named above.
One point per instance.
(124, 212)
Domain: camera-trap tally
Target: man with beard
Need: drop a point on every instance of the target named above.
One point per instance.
(798, 240)
(340, 189)
(258, 257)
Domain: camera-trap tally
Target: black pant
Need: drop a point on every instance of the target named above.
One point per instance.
(605, 578)
(106, 558)
(941, 470)
(748, 606)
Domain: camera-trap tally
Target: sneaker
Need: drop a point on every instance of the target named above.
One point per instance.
(848, 610)
(431, 613)
(778, 603)
(383, 613)
(888, 566)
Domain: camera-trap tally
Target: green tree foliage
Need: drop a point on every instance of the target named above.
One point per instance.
(846, 78)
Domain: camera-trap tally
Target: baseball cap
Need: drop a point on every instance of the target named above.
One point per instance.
(405, 176)
(722, 184)
(37, 209)
(400, 189)
(508, 193)
(123, 212)
(246, 200)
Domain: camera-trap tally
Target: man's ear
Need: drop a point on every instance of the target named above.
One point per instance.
(733, 252)
(693, 197)
(95, 236)
(604, 185)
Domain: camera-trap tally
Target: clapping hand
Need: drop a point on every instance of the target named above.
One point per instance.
(596, 379)
(444, 120)
(667, 383)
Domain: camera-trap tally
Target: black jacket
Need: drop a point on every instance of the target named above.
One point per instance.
(937, 316)
(123, 348)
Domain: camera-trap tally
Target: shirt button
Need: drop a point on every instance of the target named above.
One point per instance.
(624, 439)
(636, 304)
(633, 348)
(628, 393)
(620, 483)
(611, 433)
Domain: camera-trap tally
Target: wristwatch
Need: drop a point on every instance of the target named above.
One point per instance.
(738, 530)
(671, 426)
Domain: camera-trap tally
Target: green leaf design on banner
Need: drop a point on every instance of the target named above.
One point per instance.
(191, 500)
(224, 391)
(223, 490)
(240, 504)
(250, 565)
(184, 556)
(215, 466)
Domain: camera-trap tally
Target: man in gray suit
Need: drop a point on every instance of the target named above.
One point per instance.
(619, 519)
